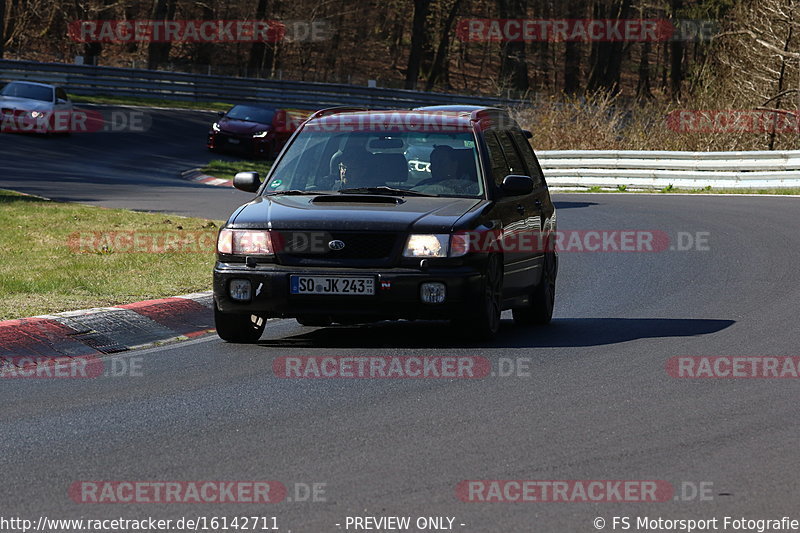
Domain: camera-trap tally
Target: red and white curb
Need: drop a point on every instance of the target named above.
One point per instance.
(105, 330)
(198, 177)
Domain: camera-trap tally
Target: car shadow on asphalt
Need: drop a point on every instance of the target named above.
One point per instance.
(573, 205)
(561, 333)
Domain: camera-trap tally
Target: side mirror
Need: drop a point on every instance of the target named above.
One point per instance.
(528, 134)
(514, 185)
(220, 114)
(247, 181)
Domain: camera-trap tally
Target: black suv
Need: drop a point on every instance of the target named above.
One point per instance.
(346, 230)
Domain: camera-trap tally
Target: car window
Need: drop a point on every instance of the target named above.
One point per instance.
(61, 93)
(251, 114)
(433, 163)
(513, 159)
(28, 90)
(497, 160)
(532, 164)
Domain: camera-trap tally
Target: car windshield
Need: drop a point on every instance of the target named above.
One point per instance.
(29, 91)
(251, 114)
(435, 164)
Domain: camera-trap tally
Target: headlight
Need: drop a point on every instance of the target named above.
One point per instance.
(427, 246)
(36, 114)
(260, 134)
(438, 245)
(245, 242)
(215, 127)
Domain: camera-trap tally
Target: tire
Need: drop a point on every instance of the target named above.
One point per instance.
(237, 327)
(484, 324)
(543, 298)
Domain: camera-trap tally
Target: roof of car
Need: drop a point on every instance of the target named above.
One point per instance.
(255, 104)
(33, 83)
(458, 116)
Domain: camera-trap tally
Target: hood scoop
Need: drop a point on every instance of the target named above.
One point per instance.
(357, 199)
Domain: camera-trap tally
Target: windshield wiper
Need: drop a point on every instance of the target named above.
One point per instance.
(383, 190)
(294, 192)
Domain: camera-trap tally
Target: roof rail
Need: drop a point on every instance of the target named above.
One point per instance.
(334, 110)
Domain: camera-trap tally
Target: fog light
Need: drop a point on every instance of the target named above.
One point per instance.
(240, 289)
(432, 293)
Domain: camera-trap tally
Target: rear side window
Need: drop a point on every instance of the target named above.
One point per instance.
(496, 158)
(61, 94)
(515, 165)
(534, 170)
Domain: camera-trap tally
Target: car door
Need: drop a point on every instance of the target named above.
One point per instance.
(540, 193)
(509, 214)
(528, 236)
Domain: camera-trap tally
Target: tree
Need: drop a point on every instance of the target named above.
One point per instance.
(158, 53)
(513, 63)
(606, 57)
(676, 56)
(572, 54)
(419, 32)
(2, 27)
(756, 55)
(261, 54)
(439, 68)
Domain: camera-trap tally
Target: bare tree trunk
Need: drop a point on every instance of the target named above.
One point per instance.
(781, 81)
(607, 57)
(418, 37)
(158, 53)
(92, 51)
(261, 54)
(676, 57)
(11, 25)
(439, 62)
(204, 52)
(2, 27)
(643, 91)
(513, 64)
(572, 55)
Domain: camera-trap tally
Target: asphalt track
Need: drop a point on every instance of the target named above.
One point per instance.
(598, 404)
(128, 169)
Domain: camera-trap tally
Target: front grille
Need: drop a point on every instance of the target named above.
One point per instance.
(312, 247)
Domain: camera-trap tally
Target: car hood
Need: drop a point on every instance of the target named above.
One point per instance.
(355, 213)
(241, 127)
(24, 104)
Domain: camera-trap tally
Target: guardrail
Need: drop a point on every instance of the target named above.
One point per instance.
(685, 170)
(92, 80)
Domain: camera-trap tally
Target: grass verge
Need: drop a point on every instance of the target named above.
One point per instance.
(149, 102)
(60, 256)
(227, 169)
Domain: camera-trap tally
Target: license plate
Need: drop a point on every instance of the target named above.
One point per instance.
(233, 141)
(342, 285)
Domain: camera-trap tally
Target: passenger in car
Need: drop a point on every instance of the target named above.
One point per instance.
(450, 170)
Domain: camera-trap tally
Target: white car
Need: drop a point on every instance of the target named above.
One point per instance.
(30, 107)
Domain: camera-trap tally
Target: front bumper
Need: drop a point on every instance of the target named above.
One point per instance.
(397, 292)
(241, 144)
